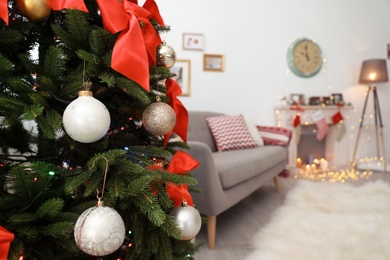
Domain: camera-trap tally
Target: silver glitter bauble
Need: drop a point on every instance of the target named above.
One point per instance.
(99, 231)
(159, 118)
(188, 219)
(166, 55)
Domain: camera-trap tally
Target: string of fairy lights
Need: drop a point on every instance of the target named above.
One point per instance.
(352, 119)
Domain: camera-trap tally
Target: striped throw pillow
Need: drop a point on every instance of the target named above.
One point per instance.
(273, 135)
(230, 132)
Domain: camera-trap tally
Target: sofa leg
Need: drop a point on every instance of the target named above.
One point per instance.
(211, 230)
(276, 181)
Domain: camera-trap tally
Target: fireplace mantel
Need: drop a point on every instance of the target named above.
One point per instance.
(337, 152)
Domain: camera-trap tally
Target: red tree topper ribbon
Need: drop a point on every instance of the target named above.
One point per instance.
(135, 46)
(181, 127)
(6, 238)
(68, 4)
(152, 7)
(181, 163)
(152, 39)
(55, 5)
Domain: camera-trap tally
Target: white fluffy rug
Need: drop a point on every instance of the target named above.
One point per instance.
(328, 221)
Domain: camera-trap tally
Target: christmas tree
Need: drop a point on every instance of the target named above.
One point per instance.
(87, 112)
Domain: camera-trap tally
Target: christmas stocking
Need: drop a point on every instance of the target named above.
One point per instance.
(298, 129)
(341, 129)
(323, 128)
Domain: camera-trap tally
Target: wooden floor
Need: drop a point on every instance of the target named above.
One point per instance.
(236, 226)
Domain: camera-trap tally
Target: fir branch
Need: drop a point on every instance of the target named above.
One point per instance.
(171, 228)
(165, 201)
(148, 205)
(97, 44)
(58, 229)
(11, 103)
(37, 97)
(28, 232)
(164, 251)
(5, 64)
(88, 56)
(22, 218)
(54, 64)
(107, 79)
(26, 61)
(139, 186)
(78, 30)
(51, 207)
(49, 124)
(134, 90)
(33, 111)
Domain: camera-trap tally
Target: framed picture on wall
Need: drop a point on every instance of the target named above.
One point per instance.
(192, 41)
(182, 70)
(297, 99)
(337, 98)
(213, 62)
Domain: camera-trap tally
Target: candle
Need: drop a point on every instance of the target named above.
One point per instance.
(299, 162)
(324, 164)
(308, 168)
(310, 159)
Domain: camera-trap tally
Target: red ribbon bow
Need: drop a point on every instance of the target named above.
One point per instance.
(6, 238)
(181, 127)
(135, 47)
(181, 163)
(4, 10)
(68, 4)
(152, 7)
(55, 5)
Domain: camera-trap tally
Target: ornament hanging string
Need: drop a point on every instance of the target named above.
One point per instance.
(100, 198)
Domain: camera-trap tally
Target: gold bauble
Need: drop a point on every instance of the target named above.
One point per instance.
(166, 55)
(35, 10)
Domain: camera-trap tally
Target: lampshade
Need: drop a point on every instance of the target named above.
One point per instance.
(373, 71)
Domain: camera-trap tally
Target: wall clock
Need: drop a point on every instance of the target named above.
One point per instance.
(304, 58)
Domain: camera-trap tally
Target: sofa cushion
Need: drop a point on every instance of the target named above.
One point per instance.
(252, 128)
(236, 166)
(230, 132)
(273, 135)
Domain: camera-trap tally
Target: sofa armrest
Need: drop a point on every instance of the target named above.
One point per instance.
(208, 178)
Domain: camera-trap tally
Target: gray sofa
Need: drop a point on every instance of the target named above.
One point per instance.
(227, 177)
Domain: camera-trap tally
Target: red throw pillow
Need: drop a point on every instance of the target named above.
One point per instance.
(230, 132)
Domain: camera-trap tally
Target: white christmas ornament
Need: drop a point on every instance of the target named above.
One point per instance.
(99, 231)
(188, 219)
(86, 119)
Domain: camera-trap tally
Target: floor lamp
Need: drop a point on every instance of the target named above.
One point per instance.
(373, 72)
